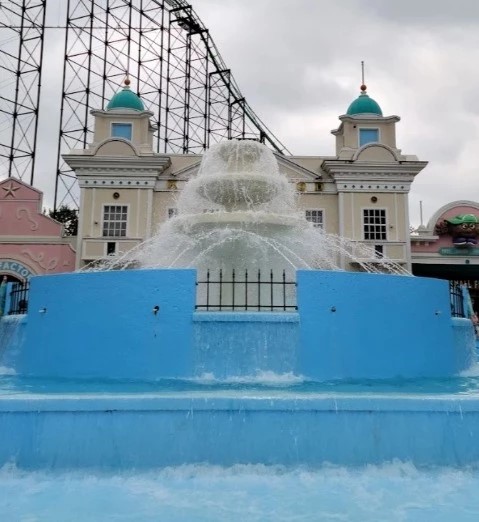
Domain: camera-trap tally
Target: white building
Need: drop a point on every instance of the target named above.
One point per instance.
(127, 190)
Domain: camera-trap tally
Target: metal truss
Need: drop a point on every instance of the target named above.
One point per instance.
(22, 26)
(170, 58)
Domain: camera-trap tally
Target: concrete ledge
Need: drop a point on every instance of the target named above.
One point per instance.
(147, 431)
(225, 401)
(246, 317)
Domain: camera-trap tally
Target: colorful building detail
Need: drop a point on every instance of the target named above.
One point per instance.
(446, 248)
(31, 243)
(463, 229)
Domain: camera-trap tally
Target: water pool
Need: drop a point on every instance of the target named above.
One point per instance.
(397, 492)
(117, 490)
(466, 384)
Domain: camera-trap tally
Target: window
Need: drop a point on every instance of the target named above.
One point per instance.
(368, 136)
(315, 217)
(379, 251)
(121, 130)
(110, 248)
(114, 220)
(374, 224)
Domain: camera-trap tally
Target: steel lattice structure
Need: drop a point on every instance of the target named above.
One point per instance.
(22, 25)
(173, 65)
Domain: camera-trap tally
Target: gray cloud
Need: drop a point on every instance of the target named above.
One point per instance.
(298, 65)
(299, 68)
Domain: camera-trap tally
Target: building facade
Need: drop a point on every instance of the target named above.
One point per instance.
(31, 243)
(128, 190)
(448, 246)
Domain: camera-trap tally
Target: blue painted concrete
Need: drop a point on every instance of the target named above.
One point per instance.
(378, 326)
(104, 325)
(120, 432)
(349, 325)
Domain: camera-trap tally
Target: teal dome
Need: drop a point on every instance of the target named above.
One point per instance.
(363, 104)
(126, 99)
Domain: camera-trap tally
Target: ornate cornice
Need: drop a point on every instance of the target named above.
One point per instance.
(371, 181)
(34, 240)
(132, 182)
(367, 168)
(82, 163)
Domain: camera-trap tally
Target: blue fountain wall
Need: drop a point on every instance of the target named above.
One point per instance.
(124, 432)
(375, 326)
(349, 325)
(103, 325)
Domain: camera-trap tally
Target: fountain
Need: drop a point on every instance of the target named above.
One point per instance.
(240, 212)
(125, 368)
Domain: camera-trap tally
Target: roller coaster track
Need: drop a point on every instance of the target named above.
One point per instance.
(164, 48)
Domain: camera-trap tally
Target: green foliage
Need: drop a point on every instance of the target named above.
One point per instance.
(68, 216)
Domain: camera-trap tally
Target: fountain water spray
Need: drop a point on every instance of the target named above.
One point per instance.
(240, 212)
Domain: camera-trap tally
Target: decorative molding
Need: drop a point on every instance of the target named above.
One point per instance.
(376, 145)
(94, 150)
(52, 264)
(35, 240)
(361, 186)
(373, 170)
(10, 190)
(26, 210)
(84, 163)
(99, 182)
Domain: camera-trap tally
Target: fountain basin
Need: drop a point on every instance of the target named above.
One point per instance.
(125, 431)
(344, 328)
(193, 223)
(239, 189)
(141, 326)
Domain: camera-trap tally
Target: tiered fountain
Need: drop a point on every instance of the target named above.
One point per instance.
(138, 329)
(240, 212)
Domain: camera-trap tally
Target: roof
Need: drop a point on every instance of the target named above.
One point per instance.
(125, 99)
(363, 104)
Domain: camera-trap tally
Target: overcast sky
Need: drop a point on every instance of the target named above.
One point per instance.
(298, 64)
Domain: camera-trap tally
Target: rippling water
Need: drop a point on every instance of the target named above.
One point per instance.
(391, 492)
(396, 492)
(465, 384)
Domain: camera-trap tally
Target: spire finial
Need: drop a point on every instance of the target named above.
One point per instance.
(127, 72)
(363, 85)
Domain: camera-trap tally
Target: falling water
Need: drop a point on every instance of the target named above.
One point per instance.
(241, 212)
(11, 338)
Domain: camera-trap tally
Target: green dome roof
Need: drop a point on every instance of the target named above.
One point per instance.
(363, 104)
(126, 99)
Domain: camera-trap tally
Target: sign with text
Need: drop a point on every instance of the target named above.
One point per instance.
(15, 268)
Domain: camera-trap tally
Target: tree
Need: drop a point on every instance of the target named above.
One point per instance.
(68, 216)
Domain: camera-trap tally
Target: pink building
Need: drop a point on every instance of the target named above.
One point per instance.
(30, 242)
(448, 246)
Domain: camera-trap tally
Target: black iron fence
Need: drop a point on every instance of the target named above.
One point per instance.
(19, 298)
(246, 290)
(457, 299)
